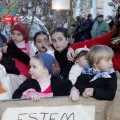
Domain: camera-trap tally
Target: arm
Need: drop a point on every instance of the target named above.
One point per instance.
(61, 86)
(108, 92)
(103, 40)
(27, 84)
(15, 52)
(9, 64)
(82, 83)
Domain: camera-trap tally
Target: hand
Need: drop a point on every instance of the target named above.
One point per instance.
(84, 94)
(74, 95)
(70, 54)
(89, 91)
(35, 97)
(48, 46)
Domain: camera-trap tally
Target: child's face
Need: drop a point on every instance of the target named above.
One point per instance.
(82, 61)
(104, 65)
(17, 36)
(37, 70)
(41, 40)
(5, 48)
(59, 41)
(1, 54)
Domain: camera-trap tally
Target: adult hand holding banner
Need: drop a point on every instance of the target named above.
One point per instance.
(75, 112)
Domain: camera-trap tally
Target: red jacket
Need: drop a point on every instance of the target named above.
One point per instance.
(102, 40)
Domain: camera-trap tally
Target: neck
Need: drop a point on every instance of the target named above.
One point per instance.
(45, 75)
(44, 79)
(20, 44)
(96, 69)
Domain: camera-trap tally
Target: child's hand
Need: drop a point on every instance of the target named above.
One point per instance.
(88, 92)
(74, 96)
(35, 97)
(84, 94)
(48, 46)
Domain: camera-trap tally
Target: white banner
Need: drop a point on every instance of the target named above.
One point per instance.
(75, 112)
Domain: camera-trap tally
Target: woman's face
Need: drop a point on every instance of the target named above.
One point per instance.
(59, 41)
(40, 41)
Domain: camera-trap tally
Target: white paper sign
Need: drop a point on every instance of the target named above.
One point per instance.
(76, 112)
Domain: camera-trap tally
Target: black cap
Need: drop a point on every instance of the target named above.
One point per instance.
(100, 15)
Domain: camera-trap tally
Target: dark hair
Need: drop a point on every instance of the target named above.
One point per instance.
(40, 33)
(82, 53)
(62, 30)
(89, 15)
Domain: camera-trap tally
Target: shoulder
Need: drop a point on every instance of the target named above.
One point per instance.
(30, 81)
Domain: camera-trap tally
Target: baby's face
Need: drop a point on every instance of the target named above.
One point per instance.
(82, 61)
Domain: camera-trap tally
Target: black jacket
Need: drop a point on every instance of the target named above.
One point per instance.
(9, 64)
(104, 88)
(59, 86)
(15, 52)
(62, 59)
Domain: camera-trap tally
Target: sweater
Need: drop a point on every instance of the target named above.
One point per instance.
(59, 86)
(104, 88)
(62, 59)
(9, 64)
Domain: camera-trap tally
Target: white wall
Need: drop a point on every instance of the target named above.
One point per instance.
(107, 10)
(93, 10)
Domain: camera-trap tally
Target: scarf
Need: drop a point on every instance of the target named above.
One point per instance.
(98, 74)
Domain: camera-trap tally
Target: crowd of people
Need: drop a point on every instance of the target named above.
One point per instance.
(89, 28)
(59, 68)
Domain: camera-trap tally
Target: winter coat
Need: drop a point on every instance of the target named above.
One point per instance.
(99, 28)
(60, 87)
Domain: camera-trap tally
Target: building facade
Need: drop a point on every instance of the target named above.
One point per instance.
(83, 7)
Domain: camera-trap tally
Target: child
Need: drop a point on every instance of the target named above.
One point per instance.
(8, 83)
(7, 61)
(80, 62)
(51, 64)
(41, 83)
(18, 49)
(42, 43)
(99, 79)
(60, 43)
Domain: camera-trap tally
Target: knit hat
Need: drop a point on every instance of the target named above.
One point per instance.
(23, 29)
(4, 39)
(48, 60)
(77, 51)
(1, 43)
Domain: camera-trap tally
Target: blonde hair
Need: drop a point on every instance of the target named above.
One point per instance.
(98, 52)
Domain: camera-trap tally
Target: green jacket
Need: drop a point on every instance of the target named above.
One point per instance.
(99, 29)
